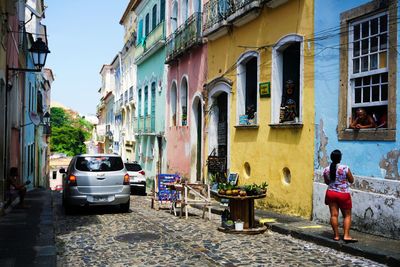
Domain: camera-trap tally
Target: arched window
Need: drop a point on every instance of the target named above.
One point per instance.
(247, 87)
(146, 101)
(184, 101)
(154, 18)
(185, 11)
(173, 104)
(147, 25)
(162, 10)
(287, 80)
(174, 17)
(139, 109)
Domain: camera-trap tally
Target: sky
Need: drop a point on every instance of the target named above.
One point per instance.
(83, 35)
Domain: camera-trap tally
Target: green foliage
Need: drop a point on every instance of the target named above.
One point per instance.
(68, 133)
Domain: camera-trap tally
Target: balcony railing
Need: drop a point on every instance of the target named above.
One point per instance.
(146, 48)
(144, 124)
(221, 13)
(149, 124)
(186, 36)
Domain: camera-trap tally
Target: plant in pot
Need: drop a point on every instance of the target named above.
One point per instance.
(264, 187)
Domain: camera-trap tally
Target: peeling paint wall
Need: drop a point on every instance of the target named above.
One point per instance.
(376, 205)
(375, 164)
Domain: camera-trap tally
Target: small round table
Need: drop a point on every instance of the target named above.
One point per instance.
(242, 208)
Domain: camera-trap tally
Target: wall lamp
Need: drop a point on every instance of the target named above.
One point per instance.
(39, 51)
(36, 120)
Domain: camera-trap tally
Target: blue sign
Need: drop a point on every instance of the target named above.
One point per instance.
(164, 192)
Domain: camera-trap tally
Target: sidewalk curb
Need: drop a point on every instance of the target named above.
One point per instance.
(356, 249)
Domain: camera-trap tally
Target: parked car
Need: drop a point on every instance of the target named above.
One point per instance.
(97, 179)
(137, 178)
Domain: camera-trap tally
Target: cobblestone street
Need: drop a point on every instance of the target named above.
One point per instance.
(146, 237)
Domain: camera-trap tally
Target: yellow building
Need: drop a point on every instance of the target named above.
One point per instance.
(260, 96)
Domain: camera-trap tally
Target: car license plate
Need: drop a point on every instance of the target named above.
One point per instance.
(100, 198)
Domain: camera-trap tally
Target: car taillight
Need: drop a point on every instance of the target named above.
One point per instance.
(72, 180)
(126, 179)
(142, 172)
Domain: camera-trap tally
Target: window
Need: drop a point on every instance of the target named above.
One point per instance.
(162, 10)
(146, 101)
(286, 104)
(54, 175)
(185, 10)
(154, 18)
(139, 102)
(247, 81)
(184, 101)
(140, 32)
(174, 17)
(173, 104)
(369, 67)
(147, 25)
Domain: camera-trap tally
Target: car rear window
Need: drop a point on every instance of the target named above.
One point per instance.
(99, 163)
(133, 167)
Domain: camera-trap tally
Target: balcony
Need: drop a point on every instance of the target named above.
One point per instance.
(152, 42)
(219, 15)
(144, 124)
(185, 37)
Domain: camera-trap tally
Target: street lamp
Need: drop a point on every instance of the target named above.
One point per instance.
(39, 51)
(46, 118)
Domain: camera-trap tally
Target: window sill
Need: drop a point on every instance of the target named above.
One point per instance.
(372, 134)
(295, 125)
(249, 126)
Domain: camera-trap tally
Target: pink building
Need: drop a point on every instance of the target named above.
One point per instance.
(186, 55)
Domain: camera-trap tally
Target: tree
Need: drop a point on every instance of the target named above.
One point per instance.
(69, 132)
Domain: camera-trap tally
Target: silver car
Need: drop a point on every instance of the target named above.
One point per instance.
(97, 179)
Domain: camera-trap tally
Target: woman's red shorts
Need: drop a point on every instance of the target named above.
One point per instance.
(343, 200)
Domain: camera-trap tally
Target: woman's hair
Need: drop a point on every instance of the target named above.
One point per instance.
(336, 157)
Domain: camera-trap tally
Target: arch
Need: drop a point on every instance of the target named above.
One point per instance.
(248, 68)
(183, 100)
(173, 104)
(196, 138)
(277, 74)
(217, 88)
(174, 17)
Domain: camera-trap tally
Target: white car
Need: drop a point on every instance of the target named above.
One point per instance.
(137, 177)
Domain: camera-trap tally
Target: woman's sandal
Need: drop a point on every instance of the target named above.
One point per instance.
(351, 240)
(336, 238)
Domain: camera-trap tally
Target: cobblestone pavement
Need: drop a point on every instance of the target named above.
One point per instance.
(146, 237)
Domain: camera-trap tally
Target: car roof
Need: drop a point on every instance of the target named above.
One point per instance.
(97, 155)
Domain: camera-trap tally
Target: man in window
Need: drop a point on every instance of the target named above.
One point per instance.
(362, 120)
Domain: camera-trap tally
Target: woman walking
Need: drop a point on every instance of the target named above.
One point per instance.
(338, 177)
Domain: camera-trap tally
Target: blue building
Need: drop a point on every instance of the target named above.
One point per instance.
(149, 120)
(356, 66)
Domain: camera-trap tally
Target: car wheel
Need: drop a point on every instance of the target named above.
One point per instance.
(125, 206)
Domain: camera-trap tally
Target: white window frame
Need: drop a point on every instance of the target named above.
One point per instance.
(241, 85)
(369, 73)
(186, 91)
(173, 103)
(277, 75)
